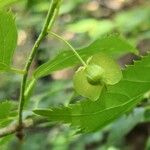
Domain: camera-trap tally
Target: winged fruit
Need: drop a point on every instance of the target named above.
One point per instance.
(101, 70)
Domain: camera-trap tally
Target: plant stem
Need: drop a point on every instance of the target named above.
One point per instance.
(53, 11)
(71, 47)
(11, 129)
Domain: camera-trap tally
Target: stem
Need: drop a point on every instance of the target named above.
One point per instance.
(53, 10)
(71, 47)
(11, 129)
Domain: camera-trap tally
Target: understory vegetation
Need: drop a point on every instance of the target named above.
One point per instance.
(74, 75)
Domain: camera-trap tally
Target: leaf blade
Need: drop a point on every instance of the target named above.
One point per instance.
(67, 58)
(5, 108)
(118, 99)
(8, 39)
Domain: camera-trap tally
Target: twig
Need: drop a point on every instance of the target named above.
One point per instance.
(71, 47)
(53, 11)
(11, 129)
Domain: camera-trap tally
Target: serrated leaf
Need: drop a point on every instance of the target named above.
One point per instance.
(8, 39)
(117, 100)
(112, 45)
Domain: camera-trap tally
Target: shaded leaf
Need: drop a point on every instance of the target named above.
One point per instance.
(93, 27)
(143, 19)
(124, 125)
(5, 108)
(4, 141)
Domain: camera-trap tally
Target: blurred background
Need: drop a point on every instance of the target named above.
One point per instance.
(80, 22)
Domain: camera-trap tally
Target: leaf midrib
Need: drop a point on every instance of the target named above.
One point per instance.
(94, 113)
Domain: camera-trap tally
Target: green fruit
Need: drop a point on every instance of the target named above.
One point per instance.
(94, 74)
(112, 72)
(101, 70)
(83, 87)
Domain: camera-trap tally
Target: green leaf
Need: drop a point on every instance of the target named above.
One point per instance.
(93, 27)
(123, 17)
(5, 108)
(4, 3)
(7, 113)
(8, 39)
(147, 114)
(124, 125)
(3, 67)
(117, 100)
(4, 141)
(112, 45)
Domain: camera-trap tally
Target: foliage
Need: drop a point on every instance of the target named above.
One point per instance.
(117, 100)
(6, 2)
(8, 39)
(67, 58)
(101, 99)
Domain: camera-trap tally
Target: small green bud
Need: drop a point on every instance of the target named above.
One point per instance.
(94, 74)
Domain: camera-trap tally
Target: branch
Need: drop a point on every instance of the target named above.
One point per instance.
(52, 13)
(11, 129)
